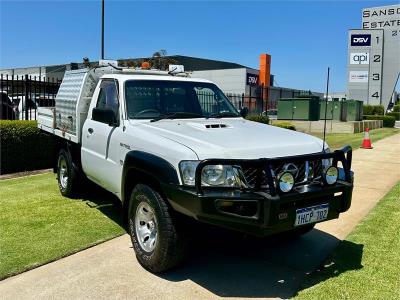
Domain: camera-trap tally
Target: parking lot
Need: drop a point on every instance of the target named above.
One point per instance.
(221, 265)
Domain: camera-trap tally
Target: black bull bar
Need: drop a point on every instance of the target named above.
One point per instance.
(343, 155)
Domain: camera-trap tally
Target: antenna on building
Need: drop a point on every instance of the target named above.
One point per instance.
(326, 108)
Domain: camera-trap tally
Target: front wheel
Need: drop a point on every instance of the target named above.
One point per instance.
(156, 239)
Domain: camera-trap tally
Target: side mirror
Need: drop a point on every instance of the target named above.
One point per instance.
(104, 116)
(244, 112)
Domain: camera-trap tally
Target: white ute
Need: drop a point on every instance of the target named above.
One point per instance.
(172, 147)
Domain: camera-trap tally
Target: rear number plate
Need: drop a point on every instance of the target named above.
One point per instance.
(311, 214)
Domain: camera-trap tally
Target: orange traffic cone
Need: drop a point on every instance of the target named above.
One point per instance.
(366, 144)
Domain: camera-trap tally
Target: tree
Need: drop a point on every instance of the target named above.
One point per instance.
(160, 60)
(86, 62)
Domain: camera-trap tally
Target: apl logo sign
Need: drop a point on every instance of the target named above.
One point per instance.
(361, 40)
(359, 58)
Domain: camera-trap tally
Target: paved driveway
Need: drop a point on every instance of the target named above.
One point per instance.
(219, 266)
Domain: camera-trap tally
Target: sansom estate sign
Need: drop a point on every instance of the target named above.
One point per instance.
(374, 55)
(386, 17)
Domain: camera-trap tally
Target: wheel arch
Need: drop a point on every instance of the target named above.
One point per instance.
(74, 151)
(143, 167)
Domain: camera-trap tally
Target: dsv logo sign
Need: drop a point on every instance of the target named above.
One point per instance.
(359, 58)
(251, 79)
(361, 40)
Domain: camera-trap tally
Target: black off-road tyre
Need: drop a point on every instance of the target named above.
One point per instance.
(67, 176)
(170, 246)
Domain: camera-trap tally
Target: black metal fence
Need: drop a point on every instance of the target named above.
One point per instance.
(261, 100)
(258, 100)
(21, 95)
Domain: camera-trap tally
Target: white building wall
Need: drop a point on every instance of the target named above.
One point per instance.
(228, 80)
(338, 95)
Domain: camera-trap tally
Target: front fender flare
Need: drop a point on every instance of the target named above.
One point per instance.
(150, 164)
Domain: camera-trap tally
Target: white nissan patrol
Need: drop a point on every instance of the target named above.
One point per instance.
(168, 145)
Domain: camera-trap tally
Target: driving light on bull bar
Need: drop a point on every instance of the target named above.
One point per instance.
(330, 175)
(285, 182)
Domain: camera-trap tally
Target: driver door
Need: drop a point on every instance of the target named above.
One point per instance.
(100, 160)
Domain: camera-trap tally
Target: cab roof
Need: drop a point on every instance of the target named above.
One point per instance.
(124, 77)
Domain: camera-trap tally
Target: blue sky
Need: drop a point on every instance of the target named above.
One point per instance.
(304, 38)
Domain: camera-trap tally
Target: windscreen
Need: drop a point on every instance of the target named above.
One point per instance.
(148, 99)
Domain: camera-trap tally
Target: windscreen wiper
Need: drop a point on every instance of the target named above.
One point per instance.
(176, 115)
(223, 114)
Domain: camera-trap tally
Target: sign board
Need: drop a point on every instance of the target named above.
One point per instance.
(385, 17)
(361, 40)
(108, 62)
(359, 58)
(375, 50)
(251, 79)
(176, 69)
(358, 76)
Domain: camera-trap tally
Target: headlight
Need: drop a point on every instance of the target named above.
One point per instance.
(212, 175)
(188, 171)
(331, 175)
(222, 175)
(285, 182)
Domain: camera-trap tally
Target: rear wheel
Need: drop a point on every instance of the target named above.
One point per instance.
(156, 238)
(67, 176)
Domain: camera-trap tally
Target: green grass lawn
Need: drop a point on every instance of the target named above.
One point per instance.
(374, 272)
(38, 225)
(338, 140)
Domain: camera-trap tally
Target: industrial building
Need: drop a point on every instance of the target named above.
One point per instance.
(236, 80)
(230, 76)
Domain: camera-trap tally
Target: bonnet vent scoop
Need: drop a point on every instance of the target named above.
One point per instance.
(216, 126)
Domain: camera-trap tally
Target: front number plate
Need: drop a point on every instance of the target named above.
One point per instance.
(311, 214)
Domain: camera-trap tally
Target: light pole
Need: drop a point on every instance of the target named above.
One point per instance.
(102, 29)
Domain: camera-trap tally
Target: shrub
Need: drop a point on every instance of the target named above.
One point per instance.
(396, 108)
(374, 110)
(388, 121)
(24, 147)
(285, 125)
(368, 110)
(394, 114)
(259, 119)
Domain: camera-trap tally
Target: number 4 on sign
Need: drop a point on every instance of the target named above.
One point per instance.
(375, 95)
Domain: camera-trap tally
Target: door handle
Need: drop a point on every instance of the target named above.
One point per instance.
(90, 130)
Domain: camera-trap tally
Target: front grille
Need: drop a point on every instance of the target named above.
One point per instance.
(301, 175)
(250, 173)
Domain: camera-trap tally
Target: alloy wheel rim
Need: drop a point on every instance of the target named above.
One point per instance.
(63, 173)
(146, 227)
